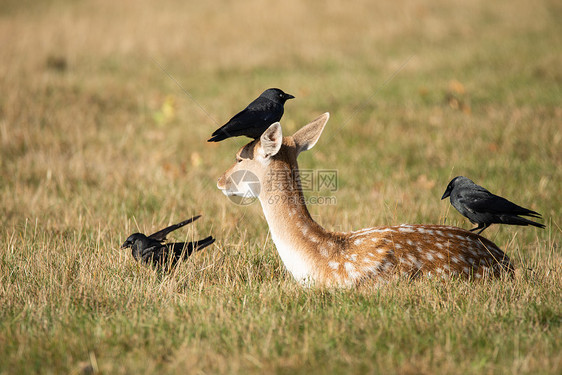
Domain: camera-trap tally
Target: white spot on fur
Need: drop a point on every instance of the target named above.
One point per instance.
(440, 256)
(406, 230)
(349, 267)
(429, 256)
(334, 265)
(371, 230)
(369, 261)
(358, 241)
(324, 252)
(370, 265)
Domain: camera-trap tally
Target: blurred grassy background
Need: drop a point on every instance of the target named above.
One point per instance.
(98, 142)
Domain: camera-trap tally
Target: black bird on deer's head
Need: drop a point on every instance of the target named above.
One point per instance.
(253, 120)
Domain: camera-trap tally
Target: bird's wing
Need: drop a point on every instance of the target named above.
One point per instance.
(161, 234)
(267, 111)
(494, 204)
(140, 253)
(155, 255)
(260, 111)
(471, 198)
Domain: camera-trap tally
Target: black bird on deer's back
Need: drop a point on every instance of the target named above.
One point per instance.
(253, 120)
(152, 249)
(484, 208)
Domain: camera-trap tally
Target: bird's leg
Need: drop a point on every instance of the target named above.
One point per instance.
(478, 227)
(482, 230)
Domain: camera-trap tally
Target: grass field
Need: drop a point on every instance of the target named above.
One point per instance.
(97, 142)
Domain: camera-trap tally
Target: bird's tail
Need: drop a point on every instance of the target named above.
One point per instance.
(217, 137)
(184, 249)
(531, 214)
(201, 244)
(516, 220)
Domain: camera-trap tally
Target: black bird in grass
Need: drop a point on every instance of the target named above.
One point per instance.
(153, 250)
(484, 208)
(253, 120)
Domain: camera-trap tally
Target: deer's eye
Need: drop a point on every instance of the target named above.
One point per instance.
(238, 160)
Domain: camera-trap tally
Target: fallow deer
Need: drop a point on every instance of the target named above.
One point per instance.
(316, 256)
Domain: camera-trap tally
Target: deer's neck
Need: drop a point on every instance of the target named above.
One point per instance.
(296, 235)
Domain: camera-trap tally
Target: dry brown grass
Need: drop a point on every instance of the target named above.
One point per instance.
(96, 142)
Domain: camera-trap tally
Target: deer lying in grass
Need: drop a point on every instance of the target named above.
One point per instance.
(316, 256)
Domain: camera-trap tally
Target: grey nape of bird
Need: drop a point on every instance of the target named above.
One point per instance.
(253, 120)
(152, 249)
(484, 208)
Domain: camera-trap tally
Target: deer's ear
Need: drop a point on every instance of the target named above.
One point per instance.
(306, 137)
(270, 141)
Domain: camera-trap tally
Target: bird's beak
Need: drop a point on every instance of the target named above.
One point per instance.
(289, 96)
(446, 194)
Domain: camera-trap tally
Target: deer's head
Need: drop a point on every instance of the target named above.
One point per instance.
(271, 153)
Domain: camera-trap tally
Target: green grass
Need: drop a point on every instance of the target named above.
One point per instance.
(88, 156)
